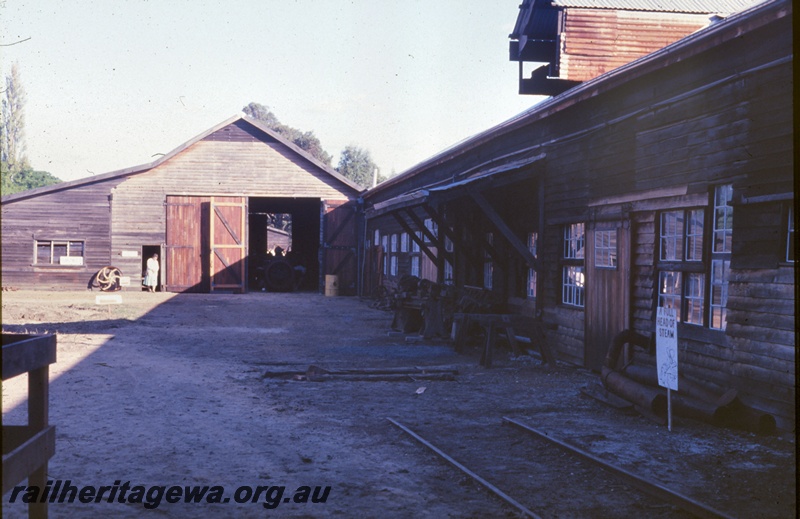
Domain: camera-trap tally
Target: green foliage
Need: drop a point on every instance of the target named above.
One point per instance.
(16, 173)
(356, 164)
(12, 127)
(304, 140)
(15, 179)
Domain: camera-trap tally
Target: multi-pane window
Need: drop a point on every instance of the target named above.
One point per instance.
(719, 293)
(694, 261)
(669, 290)
(68, 252)
(432, 227)
(488, 266)
(404, 242)
(573, 276)
(533, 244)
(671, 235)
(693, 295)
(694, 235)
(574, 241)
(722, 231)
(393, 256)
(572, 286)
(605, 248)
(415, 260)
(790, 236)
(723, 218)
(448, 266)
(385, 248)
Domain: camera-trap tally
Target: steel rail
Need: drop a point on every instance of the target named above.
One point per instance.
(508, 499)
(650, 487)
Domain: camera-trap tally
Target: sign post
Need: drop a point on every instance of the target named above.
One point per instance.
(667, 354)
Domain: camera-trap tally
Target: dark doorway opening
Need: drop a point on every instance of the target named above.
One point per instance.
(283, 244)
(147, 253)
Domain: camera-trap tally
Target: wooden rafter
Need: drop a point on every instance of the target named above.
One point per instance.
(505, 230)
(411, 234)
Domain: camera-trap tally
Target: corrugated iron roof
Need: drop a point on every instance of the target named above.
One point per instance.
(667, 6)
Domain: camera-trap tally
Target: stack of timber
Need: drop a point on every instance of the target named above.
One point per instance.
(638, 384)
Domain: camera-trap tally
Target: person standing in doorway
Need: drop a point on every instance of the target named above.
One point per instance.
(151, 276)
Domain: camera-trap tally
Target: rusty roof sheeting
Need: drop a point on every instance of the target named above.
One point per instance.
(666, 6)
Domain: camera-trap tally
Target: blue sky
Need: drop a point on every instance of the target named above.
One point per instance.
(112, 83)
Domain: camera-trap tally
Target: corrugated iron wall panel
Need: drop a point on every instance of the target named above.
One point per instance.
(595, 42)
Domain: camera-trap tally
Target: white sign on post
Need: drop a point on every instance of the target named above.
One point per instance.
(667, 348)
(667, 354)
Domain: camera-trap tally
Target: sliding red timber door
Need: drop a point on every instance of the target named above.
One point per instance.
(228, 243)
(186, 244)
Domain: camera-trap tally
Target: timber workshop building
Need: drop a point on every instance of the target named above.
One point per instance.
(662, 181)
(202, 207)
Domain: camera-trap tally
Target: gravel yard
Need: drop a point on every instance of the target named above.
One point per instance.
(201, 390)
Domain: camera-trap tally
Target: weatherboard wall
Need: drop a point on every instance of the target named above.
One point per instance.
(232, 161)
(122, 212)
(76, 214)
(659, 135)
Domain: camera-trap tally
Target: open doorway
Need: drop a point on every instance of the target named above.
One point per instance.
(147, 253)
(283, 244)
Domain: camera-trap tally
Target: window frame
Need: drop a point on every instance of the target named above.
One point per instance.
(67, 243)
(700, 293)
(393, 254)
(609, 253)
(532, 282)
(488, 264)
(789, 252)
(573, 265)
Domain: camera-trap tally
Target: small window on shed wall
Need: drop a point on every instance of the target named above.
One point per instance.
(432, 227)
(790, 236)
(404, 242)
(488, 265)
(573, 276)
(688, 279)
(605, 248)
(59, 252)
(415, 246)
(415, 260)
(385, 248)
(533, 244)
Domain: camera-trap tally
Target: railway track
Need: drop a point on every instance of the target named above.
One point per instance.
(538, 476)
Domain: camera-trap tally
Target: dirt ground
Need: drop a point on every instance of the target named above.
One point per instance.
(170, 390)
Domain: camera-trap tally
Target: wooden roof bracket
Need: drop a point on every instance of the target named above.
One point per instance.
(411, 234)
(505, 230)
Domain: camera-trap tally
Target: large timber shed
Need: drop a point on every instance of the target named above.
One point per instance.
(204, 208)
(667, 182)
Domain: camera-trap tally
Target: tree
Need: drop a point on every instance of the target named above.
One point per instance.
(304, 140)
(13, 124)
(17, 173)
(356, 164)
(25, 179)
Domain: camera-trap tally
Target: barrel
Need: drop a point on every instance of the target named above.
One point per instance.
(331, 285)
